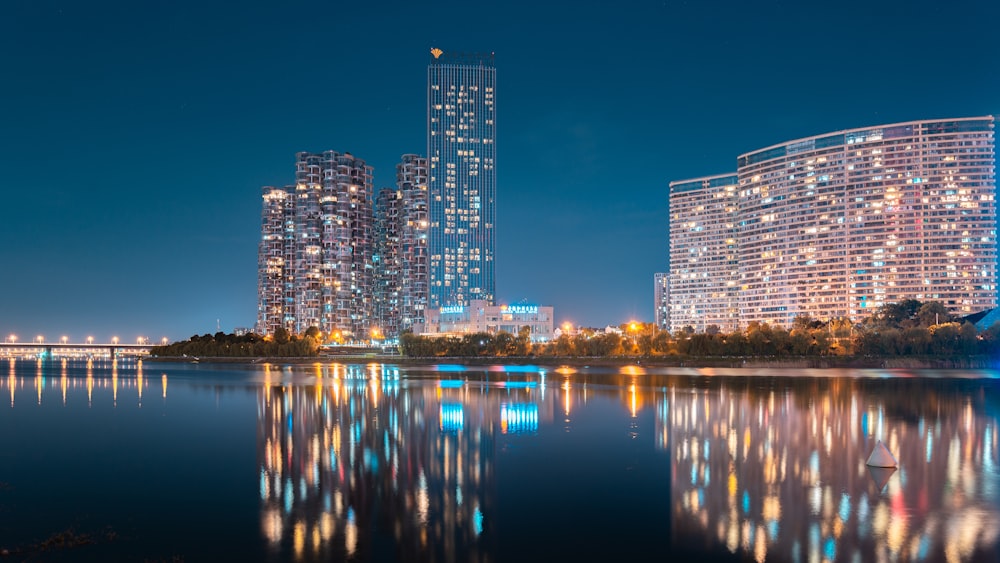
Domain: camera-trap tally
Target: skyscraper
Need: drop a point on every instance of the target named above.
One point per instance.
(315, 265)
(401, 248)
(275, 297)
(461, 151)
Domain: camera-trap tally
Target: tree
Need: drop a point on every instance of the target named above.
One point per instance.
(932, 313)
(522, 344)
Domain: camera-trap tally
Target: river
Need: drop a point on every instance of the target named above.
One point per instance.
(145, 461)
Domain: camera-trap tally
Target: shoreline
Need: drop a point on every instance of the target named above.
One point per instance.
(579, 361)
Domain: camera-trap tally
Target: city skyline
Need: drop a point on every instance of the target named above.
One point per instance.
(138, 136)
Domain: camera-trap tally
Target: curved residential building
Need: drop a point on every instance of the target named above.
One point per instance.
(839, 224)
(704, 272)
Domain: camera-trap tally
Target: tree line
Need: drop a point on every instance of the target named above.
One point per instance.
(281, 344)
(907, 328)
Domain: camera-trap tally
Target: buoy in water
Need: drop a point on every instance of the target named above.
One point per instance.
(880, 475)
(881, 457)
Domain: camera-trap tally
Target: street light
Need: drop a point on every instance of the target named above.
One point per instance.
(40, 338)
(12, 338)
(114, 340)
(64, 339)
(90, 340)
(164, 340)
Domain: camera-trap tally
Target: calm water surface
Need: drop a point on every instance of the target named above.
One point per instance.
(135, 461)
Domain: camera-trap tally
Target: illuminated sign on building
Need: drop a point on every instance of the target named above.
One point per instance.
(518, 309)
(452, 309)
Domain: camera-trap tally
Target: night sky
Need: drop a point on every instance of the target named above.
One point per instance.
(136, 135)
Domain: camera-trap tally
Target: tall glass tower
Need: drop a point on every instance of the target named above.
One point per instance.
(461, 151)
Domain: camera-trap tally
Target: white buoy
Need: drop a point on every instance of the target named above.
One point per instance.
(881, 457)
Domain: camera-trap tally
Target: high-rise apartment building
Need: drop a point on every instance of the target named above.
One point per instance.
(275, 291)
(704, 272)
(401, 248)
(324, 266)
(839, 224)
(411, 183)
(386, 260)
(461, 152)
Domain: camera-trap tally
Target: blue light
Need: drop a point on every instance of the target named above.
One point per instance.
(477, 521)
(518, 384)
(746, 501)
(845, 507)
(520, 369)
(830, 549)
(450, 383)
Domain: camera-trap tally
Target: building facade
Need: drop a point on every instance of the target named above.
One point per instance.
(461, 151)
(400, 257)
(275, 291)
(839, 224)
(411, 183)
(704, 271)
(481, 316)
(321, 254)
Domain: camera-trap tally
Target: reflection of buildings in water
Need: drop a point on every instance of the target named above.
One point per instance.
(782, 475)
(360, 457)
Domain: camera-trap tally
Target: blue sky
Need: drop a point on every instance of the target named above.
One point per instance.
(137, 135)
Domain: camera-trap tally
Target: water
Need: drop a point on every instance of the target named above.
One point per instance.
(199, 462)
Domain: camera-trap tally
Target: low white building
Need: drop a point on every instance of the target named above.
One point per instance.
(480, 316)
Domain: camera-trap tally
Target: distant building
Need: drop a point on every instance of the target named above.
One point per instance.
(661, 300)
(461, 150)
(480, 316)
(839, 224)
(704, 270)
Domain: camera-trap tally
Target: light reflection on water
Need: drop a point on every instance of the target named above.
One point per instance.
(455, 463)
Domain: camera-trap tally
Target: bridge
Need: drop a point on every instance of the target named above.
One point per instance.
(72, 351)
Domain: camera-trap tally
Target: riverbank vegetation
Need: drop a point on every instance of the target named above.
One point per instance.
(221, 345)
(906, 329)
